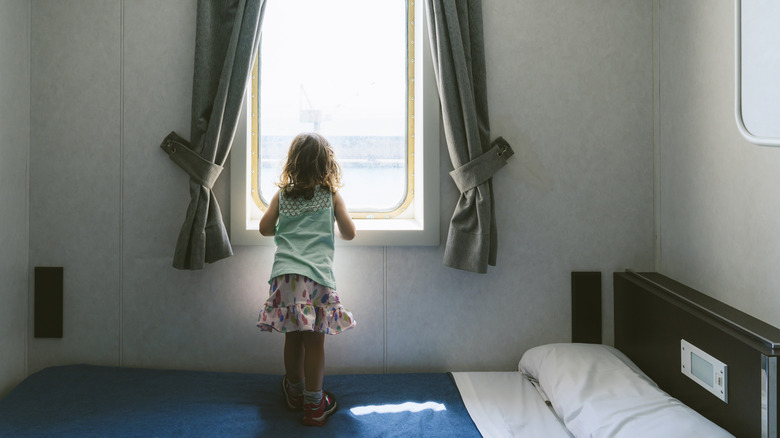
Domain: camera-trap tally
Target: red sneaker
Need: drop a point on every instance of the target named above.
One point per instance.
(294, 402)
(317, 415)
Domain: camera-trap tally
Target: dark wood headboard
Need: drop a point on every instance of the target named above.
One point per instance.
(653, 313)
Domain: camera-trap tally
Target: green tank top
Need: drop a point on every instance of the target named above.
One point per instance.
(304, 238)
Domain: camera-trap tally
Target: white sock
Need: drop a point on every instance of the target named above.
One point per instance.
(312, 398)
(297, 388)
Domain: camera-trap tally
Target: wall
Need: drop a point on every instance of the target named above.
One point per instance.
(14, 147)
(719, 204)
(75, 196)
(570, 88)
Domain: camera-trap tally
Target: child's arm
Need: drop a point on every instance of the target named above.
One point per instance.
(271, 215)
(343, 220)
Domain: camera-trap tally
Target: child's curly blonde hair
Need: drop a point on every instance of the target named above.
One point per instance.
(310, 162)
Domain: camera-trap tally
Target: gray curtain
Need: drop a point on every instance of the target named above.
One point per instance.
(226, 42)
(455, 28)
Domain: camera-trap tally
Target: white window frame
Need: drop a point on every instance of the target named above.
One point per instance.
(422, 228)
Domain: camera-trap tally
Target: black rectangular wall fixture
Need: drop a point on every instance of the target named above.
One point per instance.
(48, 302)
(586, 307)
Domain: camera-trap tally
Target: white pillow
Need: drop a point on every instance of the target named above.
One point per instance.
(598, 392)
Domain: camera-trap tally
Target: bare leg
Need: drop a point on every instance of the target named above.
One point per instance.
(314, 360)
(294, 354)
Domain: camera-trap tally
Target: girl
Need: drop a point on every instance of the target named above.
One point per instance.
(303, 303)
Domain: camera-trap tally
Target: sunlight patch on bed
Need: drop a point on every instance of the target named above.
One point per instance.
(394, 409)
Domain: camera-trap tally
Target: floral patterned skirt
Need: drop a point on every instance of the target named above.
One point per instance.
(298, 303)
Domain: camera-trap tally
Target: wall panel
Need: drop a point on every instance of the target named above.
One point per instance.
(14, 151)
(75, 143)
(719, 203)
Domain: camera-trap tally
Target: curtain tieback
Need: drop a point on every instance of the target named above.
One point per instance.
(482, 168)
(202, 171)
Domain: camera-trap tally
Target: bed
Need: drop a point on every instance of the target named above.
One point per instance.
(558, 390)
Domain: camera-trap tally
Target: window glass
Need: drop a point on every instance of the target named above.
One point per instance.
(341, 68)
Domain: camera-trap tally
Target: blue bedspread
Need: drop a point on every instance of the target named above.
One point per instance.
(94, 401)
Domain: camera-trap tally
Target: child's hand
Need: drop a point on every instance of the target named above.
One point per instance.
(271, 215)
(343, 220)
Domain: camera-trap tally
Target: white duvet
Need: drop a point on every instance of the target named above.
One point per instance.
(595, 392)
(506, 404)
(598, 392)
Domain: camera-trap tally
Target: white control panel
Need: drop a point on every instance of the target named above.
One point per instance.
(708, 372)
